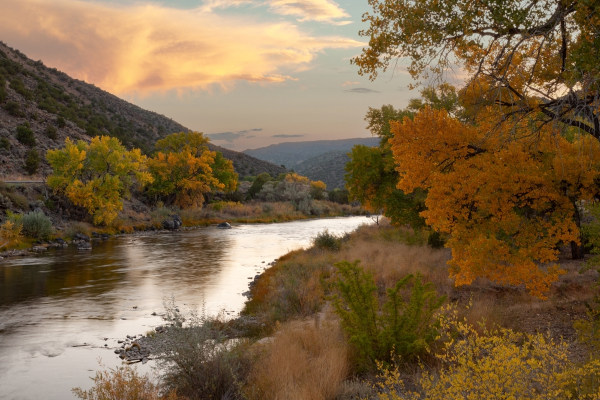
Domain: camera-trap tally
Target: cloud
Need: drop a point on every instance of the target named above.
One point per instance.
(311, 10)
(287, 136)
(361, 90)
(350, 83)
(141, 48)
(231, 137)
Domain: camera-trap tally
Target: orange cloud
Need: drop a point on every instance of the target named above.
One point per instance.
(143, 48)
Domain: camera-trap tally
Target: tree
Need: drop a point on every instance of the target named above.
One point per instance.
(96, 175)
(507, 205)
(533, 60)
(184, 170)
(371, 177)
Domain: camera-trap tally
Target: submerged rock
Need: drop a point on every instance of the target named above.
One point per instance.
(224, 225)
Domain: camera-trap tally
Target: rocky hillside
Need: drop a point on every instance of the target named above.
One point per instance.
(290, 154)
(41, 106)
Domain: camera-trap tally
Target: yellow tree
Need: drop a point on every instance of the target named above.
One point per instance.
(96, 175)
(506, 205)
(185, 170)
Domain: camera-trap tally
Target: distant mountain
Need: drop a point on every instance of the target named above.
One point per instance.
(327, 167)
(291, 154)
(54, 106)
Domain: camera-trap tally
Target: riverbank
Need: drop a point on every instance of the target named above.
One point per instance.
(296, 346)
(82, 235)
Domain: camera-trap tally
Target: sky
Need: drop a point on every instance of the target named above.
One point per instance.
(247, 73)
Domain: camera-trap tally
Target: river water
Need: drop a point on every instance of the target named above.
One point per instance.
(61, 313)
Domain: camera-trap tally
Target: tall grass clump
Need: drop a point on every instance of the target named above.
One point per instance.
(402, 324)
(304, 360)
(36, 225)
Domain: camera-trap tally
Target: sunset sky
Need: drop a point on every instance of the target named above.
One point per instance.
(246, 72)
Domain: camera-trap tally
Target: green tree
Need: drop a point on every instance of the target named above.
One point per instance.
(96, 175)
(185, 170)
(371, 177)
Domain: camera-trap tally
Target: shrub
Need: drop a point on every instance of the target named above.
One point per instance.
(51, 132)
(60, 121)
(402, 325)
(10, 233)
(25, 135)
(36, 225)
(4, 143)
(13, 108)
(121, 383)
(498, 364)
(327, 241)
(198, 362)
(32, 161)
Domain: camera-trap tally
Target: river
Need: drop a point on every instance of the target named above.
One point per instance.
(61, 313)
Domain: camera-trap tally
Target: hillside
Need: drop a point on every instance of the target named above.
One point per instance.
(327, 167)
(51, 106)
(290, 154)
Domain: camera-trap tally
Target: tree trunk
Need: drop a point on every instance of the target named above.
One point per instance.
(576, 251)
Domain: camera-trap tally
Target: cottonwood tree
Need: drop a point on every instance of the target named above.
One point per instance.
(185, 170)
(506, 206)
(535, 59)
(97, 175)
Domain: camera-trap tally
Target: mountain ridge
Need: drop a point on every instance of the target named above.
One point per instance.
(53, 106)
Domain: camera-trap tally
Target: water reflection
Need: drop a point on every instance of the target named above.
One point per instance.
(53, 302)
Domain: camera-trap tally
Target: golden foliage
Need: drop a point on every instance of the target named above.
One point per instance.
(97, 175)
(506, 202)
(184, 169)
(498, 364)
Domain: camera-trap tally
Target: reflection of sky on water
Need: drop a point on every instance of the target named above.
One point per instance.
(58, 300)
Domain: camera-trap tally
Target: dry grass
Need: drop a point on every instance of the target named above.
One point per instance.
(305, 360)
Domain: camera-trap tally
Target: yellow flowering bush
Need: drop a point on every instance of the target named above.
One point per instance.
(497, 364)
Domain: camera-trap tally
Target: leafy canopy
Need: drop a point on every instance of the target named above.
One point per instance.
(184, 170)
(96, 175)
(536, 58)
(506, 205)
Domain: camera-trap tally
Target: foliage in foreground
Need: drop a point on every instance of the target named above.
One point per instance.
(198, 362)
(122, 383)
(404, 324)
(497, 364)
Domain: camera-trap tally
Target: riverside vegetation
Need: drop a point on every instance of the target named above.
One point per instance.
(503, 172)
(91, 183)
(390, 324)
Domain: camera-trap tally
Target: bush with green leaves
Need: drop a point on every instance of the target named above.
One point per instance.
(51, 132)
(403, 324)
(327, 241)
(4, 143)
(32, 161)
(25, 135)
(36, 225)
